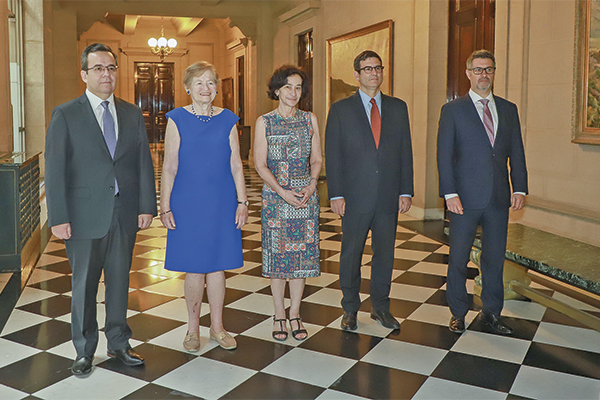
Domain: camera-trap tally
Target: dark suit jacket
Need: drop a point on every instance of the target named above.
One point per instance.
(467, 163)
(356, 169)
(80, 172)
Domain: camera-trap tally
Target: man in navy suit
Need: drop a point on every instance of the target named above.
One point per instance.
(368, 155)
(479, 134)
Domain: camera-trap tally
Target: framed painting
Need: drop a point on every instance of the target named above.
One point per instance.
(586, 93)
(227, 87)
(342, 50)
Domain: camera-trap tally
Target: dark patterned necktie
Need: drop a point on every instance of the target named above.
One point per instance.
(110, 136)
(375, 122)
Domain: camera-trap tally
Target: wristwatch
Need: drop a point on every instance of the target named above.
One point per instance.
(244, 203)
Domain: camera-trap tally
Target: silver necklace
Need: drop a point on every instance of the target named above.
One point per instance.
(291, 118)
(201, 117)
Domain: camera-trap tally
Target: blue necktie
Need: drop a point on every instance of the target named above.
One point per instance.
(110, 136)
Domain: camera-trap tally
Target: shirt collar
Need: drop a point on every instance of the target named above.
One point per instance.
(96, 101)
(475, 97)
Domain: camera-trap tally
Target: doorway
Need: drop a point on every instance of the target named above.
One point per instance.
(155, 95)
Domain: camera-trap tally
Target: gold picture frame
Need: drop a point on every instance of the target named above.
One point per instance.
(342, 50)
(586, 91)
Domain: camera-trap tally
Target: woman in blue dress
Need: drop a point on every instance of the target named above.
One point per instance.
(287, 155)
(203, 200)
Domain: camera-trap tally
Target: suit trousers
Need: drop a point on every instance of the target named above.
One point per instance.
(355, 227)
(88, 258)
(463, 228)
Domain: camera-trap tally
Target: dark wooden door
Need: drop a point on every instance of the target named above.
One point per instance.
(471, 27)
(305, 61)
(155, 95)
(241, 111)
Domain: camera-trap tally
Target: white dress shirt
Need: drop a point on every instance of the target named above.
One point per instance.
(96, 103)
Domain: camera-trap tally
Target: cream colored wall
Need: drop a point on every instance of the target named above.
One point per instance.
(419, 70)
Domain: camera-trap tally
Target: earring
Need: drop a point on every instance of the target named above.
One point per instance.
(188, 92)
(217, 92)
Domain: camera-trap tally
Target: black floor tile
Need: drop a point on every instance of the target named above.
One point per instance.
(437, 258)
(266, 386)
(426, 334)
(249, 233)
(563, 359)
(58, 253)
(515, 397)
(336, 238)
(523, 328)
(341, 343)
(377, 382)
(51, 307)
(43, 336)
(477, 371)
(365, 286)
(403, 264)
(256, 271)
(320, 314)
(420, 279)
(142, 301)
(308, 290)
(555, 317)
(398, 308)
(405, 235)
(250, 244)
(159, 361)
(325, 254)
(236, 321)
(61, 284)
(36, 372)
(439, 298)
(250, 353)
(146, 327)
(62, 267)
(254, 256)
(330, 228)
(139, 280)
(331, 267)
(431, 247)
(156, 392)
(141, 238)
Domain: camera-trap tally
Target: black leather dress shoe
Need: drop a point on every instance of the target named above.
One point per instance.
(349, 321)
(457, 324)
(82, 367)
(127, 356)
(494, 323)
(386, 319)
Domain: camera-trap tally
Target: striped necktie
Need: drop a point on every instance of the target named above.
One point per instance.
(488, 122)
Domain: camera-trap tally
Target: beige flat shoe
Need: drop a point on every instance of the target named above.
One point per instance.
(191, 342)
(224, 339)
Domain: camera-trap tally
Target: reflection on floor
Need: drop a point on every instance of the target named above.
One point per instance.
(549, 356)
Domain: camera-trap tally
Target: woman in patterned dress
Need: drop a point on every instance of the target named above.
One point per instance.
(287, 155)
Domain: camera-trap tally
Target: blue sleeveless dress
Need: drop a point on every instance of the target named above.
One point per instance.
(204, 198)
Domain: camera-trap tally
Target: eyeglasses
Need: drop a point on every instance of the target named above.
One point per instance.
(368, 69)
(479, 70)
(99, 69)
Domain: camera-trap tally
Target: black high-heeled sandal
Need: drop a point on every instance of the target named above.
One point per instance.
(298, 331)
(282, 333)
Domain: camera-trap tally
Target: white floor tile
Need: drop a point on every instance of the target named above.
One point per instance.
(405, 356)
(20, 320)
(329, 297)
(443, 250)
(423, 239)
(263, 331)
(100, 384)
(12, 352)
(523, 309)
(544, 384)
(247, 282)
(573, 302)
(568, 336)
(331, 245)
(41, 275)
(160, 242)
(154, 231)
(310, 367)
(252, 228)
(414, 255)
(257, 237)
(53, 246)
(430, 268)
(324, 235)
(176, 309)
(410, 292)
(47, 259)
(170, 287)
(330, 394)
(335, 257)
(435, 388)
(492, 346)
(158, 254)
(325, 279)
(174, 339)
(8, 393)
(205, 378)
(31, 295)
(257, 303)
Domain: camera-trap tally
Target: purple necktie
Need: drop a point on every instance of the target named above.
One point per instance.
(488, 122)
(110, 136)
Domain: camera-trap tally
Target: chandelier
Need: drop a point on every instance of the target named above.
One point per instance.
(162, 47)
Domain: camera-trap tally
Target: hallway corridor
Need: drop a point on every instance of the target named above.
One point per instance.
(549, 357)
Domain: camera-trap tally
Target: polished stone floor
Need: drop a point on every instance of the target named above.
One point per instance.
(550, 356)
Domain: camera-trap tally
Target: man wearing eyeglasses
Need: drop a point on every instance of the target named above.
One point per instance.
(100, 191)
(479, 134)
(368, 155)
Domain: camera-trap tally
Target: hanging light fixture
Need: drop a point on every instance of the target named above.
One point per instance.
(162, 47)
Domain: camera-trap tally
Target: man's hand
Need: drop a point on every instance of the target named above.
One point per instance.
(454, 205)
(338, 206)
(517, 201)
(144, 220)
(404, 204)
(62, 231)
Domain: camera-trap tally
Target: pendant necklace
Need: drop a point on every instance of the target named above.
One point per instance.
(201, 117)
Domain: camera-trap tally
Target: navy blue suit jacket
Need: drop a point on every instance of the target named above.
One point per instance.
(357, 170)
(468, 164)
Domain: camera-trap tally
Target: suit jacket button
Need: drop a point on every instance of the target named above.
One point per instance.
(112, 188)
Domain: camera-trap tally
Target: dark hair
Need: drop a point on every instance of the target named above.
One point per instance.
(488, 55)
(279, 79)
(363, 56)
(94, 48)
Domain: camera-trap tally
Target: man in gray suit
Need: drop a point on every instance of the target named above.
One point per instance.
(368, 155)
(100, 192)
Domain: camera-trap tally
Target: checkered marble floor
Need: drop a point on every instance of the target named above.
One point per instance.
(549, 357)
